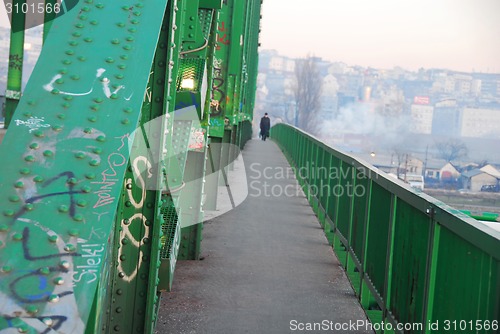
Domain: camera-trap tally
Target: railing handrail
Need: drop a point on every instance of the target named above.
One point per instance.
(480, 235)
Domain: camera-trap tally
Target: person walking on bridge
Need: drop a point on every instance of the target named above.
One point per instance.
(265, 125)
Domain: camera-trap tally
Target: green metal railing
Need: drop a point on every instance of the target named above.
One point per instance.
(417, 265)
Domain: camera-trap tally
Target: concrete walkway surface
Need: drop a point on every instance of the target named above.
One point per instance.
(267, 266)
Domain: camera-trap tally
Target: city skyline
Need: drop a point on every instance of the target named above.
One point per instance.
(458, 35)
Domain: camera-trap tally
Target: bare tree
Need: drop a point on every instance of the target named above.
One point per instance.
(307, 91)
(452, 149)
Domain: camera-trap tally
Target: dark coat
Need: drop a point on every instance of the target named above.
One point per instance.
(265, 125)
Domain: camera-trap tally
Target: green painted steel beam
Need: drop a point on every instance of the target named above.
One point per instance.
(16, 59)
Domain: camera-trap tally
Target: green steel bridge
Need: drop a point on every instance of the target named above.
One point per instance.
(126, 130)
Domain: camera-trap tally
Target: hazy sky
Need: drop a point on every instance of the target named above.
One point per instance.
(455, 34)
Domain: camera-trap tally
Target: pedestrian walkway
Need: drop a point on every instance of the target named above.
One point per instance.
(267, 266)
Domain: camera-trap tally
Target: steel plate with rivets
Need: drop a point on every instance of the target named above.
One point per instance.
(70, 137)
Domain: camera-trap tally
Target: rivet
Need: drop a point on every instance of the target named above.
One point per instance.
(139, 5)
(119, 291)
(56, 91)
(121, 274)
(109, 60)
(70, 248)
(19, 184)
(68, 98)
(126, 221)
(100, 5)
(122, 66)
(86, 189)
(125, 7)
(53, 238)
(113, 96)
(81, 203)
(64, 264)
(29, 207)
(88, 39)
(23, 328)
(137, 13)
(8, 213)
(44, 271)
(115, 41)
(128, 204)
(97, 150)
(63, 71)
(34, 146)
(4, 228)
(78, 217)
(28, 114)
(134, 21)
(122, 257)
(145, 240)
(117, 328)
(101, 138)
(149, 205)
(125, 241)
(48, 322)
(69, 53)
(82, 58)
(32, 309)
(48, 153)
(130, 38)
(85, 9)
(98, 100)
(59, 81)
(79, 155)
(94, 22)
(79, 25)
(90, 176)
(82, 17)
(92, 119)
(132, 29)
(75, 77)
(53, 298)
(77, 34)
(118, 310)
(14, 198)
(125, 121)
(65, 62)
(63, 208)
(66, 105)
(6, 269)
(120, 24)
(94, 163)
(127, 47)
(119, 76)
(57, 128)
(38, 179)
(73, 232)
(191, 35)
(38, 133)
(17, 237)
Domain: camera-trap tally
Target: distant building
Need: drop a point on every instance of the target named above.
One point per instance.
(421, 118)
(480, 122)
(476, 179)
(448, 172)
